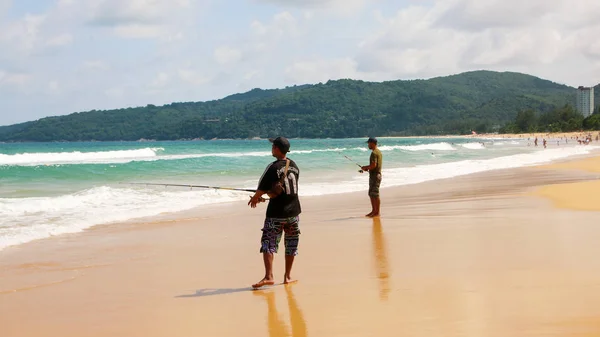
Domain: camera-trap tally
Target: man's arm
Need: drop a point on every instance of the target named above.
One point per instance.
(257, 198)
(371, 166)
(264, 185)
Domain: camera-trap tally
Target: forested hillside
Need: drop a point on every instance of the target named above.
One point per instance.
(481, 100)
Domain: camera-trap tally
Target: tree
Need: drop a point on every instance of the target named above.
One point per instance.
(343, 108)
(592, 122)
(526, 121)
(562, 119)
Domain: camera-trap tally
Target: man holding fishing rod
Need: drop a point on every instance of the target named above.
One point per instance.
(280, 182)
(374, 168)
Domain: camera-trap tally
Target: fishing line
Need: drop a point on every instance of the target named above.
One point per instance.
(197, 186)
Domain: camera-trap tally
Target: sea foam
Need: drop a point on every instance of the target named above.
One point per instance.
(27, 219)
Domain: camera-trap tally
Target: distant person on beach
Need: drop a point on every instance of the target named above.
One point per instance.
(374, 168)
(280, 182)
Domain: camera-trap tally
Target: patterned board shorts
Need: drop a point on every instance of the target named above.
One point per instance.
(374, 182)
(271, 235)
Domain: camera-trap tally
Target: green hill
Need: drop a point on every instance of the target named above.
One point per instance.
(480, 100)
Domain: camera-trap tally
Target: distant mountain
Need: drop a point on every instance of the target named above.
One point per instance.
(479, 100)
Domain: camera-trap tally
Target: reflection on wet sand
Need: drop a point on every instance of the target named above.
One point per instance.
(381, 259)
(276, 325)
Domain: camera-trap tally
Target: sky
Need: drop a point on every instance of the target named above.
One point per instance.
(63, 56)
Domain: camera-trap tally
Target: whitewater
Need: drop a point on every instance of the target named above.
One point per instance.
(50, 189)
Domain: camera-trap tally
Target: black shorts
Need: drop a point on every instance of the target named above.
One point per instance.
(374, 182)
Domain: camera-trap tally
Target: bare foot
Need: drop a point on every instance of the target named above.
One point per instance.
(288, 280)
(372, 215)
(369, 215)
(262, 283)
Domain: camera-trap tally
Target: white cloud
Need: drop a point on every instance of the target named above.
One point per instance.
(34, 34)
(476, 15)
(135, 31)
(258, 27)
(60, 40)
(115, 92)
(4, 6)
(14, 79)
(336, 7)
(306, 3)
(252, 74)
(53, 86)
(142, 18)
(65, 3)
(125, 12)
(161, 80)
(283, 23)
(227, 55)
(96, 65)
(269, 38)
(321, 70)
(22, 35)
(460, 35)
(193, 77)
(137, 52)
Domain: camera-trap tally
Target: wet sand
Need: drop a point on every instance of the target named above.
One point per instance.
(480, 255)
(584, 196)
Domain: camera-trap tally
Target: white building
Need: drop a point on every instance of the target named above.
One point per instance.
(585, 101)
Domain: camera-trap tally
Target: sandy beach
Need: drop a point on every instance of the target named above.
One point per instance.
(501, 253)
(541, 135)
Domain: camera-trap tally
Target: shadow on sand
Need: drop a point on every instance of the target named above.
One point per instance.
(223, 291)
(218, 291)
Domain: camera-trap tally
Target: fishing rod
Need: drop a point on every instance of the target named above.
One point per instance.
(197, 186)
(357, 164)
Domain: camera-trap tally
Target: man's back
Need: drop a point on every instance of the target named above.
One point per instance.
(287, 204)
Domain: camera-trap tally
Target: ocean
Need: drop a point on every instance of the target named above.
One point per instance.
(48, 189)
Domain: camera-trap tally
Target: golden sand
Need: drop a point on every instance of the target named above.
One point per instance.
(583, 196)
(542, 135)
(591, 164)
(470, 256)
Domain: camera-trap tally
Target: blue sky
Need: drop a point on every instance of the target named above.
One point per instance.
(64, 56)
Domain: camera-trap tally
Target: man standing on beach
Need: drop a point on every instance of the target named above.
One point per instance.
(374, 169)
(282, 212)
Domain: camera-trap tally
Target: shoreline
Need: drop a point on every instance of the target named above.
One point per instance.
(577, 164)
(541, 135)
(478, 254)
(479, 135)
(200, 211)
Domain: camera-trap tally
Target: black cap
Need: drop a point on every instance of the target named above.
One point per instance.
(372, 140)
(282, 143)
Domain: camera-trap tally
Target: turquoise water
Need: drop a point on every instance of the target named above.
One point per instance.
(53, 188)
(54, 168)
